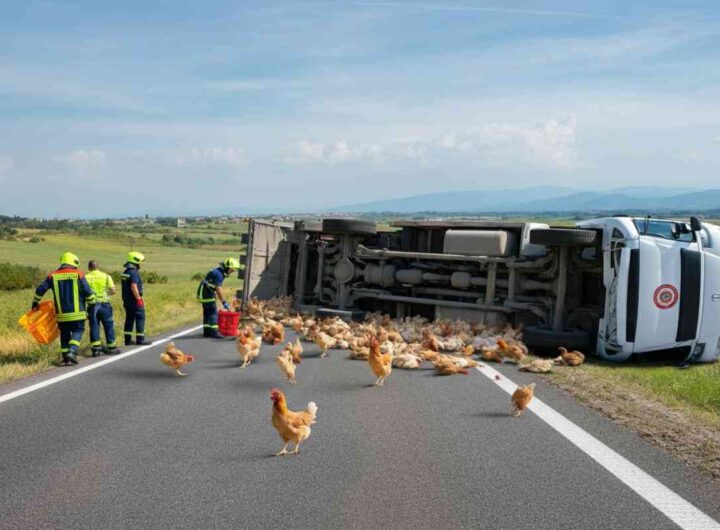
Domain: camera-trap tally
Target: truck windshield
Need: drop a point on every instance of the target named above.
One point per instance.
(662, 229)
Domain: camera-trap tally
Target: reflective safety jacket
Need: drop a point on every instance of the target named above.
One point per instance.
(212, 282)
(129, 276)
(101, 283)
(71, 292)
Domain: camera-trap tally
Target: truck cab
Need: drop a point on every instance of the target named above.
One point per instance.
(619, 286)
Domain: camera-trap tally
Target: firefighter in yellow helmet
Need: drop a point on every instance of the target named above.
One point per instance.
(211, 287)
(72, 296)
(132, 295)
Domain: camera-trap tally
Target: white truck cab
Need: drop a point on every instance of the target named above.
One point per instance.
(662, 282)
(619, 286)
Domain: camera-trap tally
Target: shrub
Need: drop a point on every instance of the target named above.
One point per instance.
(14, 276)
(152, 277)
(115, 276)
(35, 239)
(198, 276)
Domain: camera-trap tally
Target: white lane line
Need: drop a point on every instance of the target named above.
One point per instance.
(680, 511)
(94, 366)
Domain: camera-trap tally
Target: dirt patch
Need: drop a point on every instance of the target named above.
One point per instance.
(678, 432)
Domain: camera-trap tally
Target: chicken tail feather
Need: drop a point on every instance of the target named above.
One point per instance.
(312, 408)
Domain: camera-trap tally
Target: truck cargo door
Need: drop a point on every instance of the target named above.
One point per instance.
(268, 260)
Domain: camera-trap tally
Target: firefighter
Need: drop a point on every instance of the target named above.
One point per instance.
(132, 295)
(103, 286)
(210, 288)
(72, 296)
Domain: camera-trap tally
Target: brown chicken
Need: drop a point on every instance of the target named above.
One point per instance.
(286, 364)
(295, 350)
(491, 355)
(274, 333)
(176, 359)
(515, 351)
(291, 426)
(248, 346)
(324, 342)
(569, 358)
(521, 398)
(380, 364)
(448, 367)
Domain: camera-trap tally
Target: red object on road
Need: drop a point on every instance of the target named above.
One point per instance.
(228, 322)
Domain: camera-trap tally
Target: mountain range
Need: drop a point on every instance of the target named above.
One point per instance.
(548, 199)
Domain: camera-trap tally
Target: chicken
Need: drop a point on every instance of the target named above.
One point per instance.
(491, 354)
(407, 361)
(295, 350)
(291, 426)
(569, 358)
(286, 364)
(324, 342)
(273, 333)
(248, 346)
(521, 398)
(537, 366)
(515, 351)
(445, 366)
(176, 359)
(380, 363)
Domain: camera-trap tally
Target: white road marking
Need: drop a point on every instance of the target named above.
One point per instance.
(84, 369)
(677, 509)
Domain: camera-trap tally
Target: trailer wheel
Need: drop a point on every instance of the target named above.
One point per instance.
(549, 340)
(348, 226)
(563, 237)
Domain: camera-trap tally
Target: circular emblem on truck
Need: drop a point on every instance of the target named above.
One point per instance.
(666, 296)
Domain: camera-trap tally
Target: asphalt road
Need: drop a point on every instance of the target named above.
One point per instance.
(130, 445)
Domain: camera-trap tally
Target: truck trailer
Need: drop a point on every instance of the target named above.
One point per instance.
(619, 286)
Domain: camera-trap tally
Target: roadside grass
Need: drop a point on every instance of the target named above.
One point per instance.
(169, 306)
(695, 389)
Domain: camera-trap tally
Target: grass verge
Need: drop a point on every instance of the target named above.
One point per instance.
(673, 409)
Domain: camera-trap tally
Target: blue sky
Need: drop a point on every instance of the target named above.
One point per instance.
(115, 108)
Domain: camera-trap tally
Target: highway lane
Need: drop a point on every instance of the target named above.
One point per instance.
(130, 445)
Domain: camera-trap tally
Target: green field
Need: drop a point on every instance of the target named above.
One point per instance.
(169, 305)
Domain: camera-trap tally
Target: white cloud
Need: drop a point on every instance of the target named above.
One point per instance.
(335, 152)
(6, 164)
(548, 144)
(85, 162)
(206, 156)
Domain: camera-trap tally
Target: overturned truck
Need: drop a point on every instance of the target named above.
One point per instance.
(620, 286)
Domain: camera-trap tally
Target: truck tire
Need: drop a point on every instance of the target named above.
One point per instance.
(348, 226)
(563, 237)
(547, 339)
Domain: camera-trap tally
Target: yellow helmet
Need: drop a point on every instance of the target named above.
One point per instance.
(135, 257)
(231, 263)
(69, 259)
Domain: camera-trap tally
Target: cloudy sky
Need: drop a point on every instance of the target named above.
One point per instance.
(115, 108)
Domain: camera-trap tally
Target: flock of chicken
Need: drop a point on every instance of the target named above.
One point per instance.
(382, 342)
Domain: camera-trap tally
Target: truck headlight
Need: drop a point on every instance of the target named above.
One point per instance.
(698, 350)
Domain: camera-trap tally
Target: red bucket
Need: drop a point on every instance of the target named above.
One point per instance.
(228, 322)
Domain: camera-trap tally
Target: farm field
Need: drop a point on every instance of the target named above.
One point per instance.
(170, 305)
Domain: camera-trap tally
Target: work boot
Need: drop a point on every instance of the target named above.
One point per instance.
(96, 351)
(140, 341)
(71, 358)
(215, 334)
(129, 341)
(207, 332)
(113, 351)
